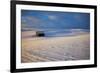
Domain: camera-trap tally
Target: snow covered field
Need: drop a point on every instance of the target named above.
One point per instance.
(42, 49)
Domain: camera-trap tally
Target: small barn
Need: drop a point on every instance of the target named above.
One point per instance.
(40, 33)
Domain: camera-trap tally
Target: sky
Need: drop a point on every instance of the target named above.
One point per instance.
(54, 20)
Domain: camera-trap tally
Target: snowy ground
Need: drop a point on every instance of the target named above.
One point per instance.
(41, 49)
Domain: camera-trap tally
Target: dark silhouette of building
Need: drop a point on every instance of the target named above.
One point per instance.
(40, 33)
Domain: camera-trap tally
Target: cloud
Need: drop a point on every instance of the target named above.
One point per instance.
(30, 21)
(52, 17)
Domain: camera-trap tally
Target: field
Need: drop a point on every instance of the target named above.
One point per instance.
(44, 49)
